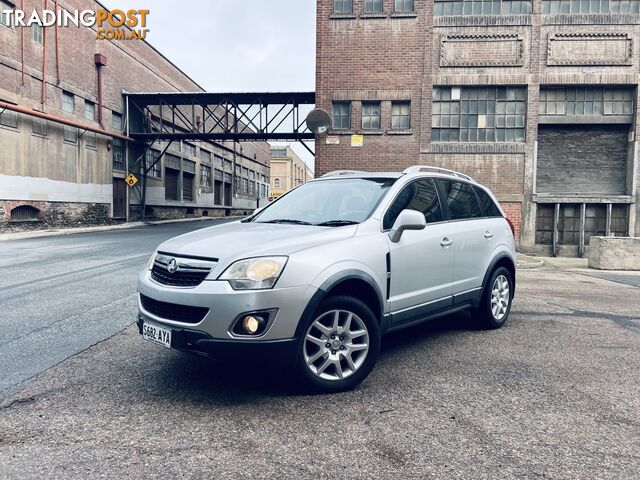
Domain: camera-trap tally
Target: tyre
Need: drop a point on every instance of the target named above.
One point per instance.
(340, 346)
(495, 305)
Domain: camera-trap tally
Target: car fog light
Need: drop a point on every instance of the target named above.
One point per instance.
(252, 324)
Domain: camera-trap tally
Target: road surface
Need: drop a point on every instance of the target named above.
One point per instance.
(60, 295)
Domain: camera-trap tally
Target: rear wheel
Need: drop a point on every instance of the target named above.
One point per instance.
(496, 299)
(340, 346)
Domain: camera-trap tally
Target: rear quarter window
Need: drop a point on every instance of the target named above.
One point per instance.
(461, 200)
(488, 205)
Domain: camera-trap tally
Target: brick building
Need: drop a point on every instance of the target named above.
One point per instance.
(536, 99)
(56, 174)
(288, 170)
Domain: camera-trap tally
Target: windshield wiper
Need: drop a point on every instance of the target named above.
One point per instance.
(287, 220)
(337, 223)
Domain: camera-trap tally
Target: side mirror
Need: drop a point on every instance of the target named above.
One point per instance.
(407, 220)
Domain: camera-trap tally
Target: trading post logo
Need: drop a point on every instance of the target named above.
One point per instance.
(109, 25)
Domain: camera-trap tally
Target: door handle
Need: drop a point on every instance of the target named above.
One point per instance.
(488, 234)
(446, 242)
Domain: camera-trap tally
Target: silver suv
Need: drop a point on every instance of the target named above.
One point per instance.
(315, 279)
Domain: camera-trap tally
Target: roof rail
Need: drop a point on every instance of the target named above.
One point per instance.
(427, 168)
(338, 173)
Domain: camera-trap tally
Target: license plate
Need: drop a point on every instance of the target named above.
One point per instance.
(156, 334)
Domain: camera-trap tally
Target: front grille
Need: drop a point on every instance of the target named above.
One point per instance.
(172, 311)
(177, 279)
(190, 272)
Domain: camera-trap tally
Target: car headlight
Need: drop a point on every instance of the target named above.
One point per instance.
(254, 273)
(150, 262)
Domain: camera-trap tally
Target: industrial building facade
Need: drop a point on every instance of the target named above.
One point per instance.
(288, 171)
(535, 99)
(55, 172)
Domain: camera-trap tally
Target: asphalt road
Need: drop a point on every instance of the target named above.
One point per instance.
(554, 394)
(60, 295)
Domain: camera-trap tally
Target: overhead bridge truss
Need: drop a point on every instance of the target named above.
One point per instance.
(238, 117)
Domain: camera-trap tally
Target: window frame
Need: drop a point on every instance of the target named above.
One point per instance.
(370, 117)
(369, 4)
(6, 5)
(64, 104)
(445, 205)
(404, 9)
(342, 4)
(37, 34)
(498, 105)
(342, 116)
(203, 169)
(443, 212)
(477, 189)
(400, 103)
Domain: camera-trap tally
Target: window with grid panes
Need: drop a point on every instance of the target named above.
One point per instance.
(553, 7)
(4, 18)
(341, 115)
(153, 165)
(404, 6)
(343, 6)
(482, 7)
(38, 33)
(205, 176)
(619, 226)
(205, 156)
(70, 134)
(9, 118)
(569, 224)
(478, 114)
(68, 102)
(371, 116)
(89, 110)
(400, 115)
(372, 6)
(189, 150)
(544, 224)
(581, 101)
(595, 221)
(40, 126)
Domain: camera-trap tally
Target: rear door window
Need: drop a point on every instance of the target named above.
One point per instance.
(488, 205)
(461, 200)
(421, 196)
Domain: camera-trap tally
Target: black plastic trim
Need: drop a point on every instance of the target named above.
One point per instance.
(421, 311)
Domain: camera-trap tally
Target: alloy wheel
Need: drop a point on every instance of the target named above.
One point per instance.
(336, 345)
(500, 297)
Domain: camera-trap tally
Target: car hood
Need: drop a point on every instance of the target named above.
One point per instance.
(231, 241)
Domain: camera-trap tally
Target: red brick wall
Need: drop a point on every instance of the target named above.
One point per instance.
(369, 58)
(513, 211)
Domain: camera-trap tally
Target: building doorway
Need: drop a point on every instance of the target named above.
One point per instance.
(119, 198)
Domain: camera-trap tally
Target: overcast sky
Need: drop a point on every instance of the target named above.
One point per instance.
(236, 46)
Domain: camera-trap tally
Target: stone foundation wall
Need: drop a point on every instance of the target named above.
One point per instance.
(55, 215)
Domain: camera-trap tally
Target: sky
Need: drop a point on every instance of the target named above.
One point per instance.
(236, 46)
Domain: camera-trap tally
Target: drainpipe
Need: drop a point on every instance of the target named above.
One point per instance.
(57, 46)
(22, 44)
(101, 61)
(44, 58)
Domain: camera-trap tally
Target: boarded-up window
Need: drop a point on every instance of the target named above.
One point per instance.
(585, 159)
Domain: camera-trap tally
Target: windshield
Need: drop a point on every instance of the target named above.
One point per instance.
(336, 202)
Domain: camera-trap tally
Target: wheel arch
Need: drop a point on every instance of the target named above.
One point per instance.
(355, 283)
(501, 260)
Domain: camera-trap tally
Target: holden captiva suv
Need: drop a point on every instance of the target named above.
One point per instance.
(316, 278)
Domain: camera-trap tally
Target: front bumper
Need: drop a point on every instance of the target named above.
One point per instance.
(225, 305)
(280, 353)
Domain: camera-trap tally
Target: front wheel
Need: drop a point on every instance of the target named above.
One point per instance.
(496, 299)
(340, 346)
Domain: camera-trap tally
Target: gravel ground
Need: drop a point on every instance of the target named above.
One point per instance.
(554, 394)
